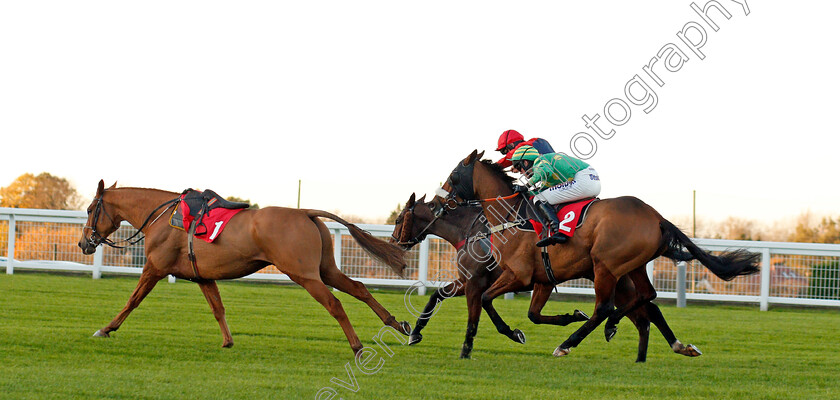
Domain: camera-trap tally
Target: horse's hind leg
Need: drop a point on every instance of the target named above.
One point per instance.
(539, 297)
(655, 315)
(321, 292)
(453, 289)
(644, 294)
(332, 276)
(211, 293)
(643, 326)
(148, 279)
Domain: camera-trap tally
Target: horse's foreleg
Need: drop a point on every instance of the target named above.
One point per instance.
(211, 293)
(473, 292)
(604, 289)
(334, 277)
(655, 315)
(539, 297)
(148, 279)
(506, 283)
(453, 289)
(321, 293)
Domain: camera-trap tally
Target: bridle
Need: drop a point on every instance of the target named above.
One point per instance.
(439, 211)
(96, 238)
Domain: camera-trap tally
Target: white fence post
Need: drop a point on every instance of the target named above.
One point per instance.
(171, 279)
(765, 280)
(97, 262)
(681, 274)
(423, 267)
(649, 270)
(10, 268)
(337, 250)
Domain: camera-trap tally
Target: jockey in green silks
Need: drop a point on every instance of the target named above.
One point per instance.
(556, 178)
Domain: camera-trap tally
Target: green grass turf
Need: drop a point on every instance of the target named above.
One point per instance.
(287, 346)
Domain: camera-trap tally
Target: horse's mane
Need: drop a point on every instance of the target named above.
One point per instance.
(499, 171)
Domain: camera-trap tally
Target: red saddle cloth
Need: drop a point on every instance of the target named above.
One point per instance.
(569, 216)
(210, 226)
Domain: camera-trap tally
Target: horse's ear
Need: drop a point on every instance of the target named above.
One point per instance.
(410, 202)
(471, 158)
(480, 155)
(100, 188)
(113, 186)
(422, 199)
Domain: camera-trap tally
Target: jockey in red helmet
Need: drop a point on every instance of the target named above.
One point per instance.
(511, 140)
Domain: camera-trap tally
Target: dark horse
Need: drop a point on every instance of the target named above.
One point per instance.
(619, 237)
(462, 228)
(293, 240)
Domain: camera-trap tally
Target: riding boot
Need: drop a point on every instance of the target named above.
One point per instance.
(553, 223)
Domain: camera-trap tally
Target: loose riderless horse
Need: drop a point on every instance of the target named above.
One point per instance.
(461, 227)
(619, 237)
(293, 240)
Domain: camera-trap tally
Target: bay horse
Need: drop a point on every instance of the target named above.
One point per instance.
(620, 235)
(293, 240)
(477, 270)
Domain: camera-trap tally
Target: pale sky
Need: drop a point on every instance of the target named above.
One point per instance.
(369, 101)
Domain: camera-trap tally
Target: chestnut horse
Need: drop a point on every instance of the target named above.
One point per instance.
(293, 240)
(618, 238)
(461, 227)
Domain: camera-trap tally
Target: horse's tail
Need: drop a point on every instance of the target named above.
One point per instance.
(726, 266)
(391, 255)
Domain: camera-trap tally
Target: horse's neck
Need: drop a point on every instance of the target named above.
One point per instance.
(457, 227)
(488, 186)
(135, 205)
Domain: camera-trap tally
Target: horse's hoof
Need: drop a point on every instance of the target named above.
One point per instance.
(689, 351)
(99, 333)
(227, 345)
(518, 336)
(609, 332)
(465, 356)
(414, 338)
(560, 352)
(406, 328)
(580, 315)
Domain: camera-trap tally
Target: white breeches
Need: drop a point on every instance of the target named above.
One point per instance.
(586, 184)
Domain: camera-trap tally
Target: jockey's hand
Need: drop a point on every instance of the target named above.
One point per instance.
(520, 189)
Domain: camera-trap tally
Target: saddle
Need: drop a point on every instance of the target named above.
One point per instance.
(195, 205)
(196, 210)
(578, 209)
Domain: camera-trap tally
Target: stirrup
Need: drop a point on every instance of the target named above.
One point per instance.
(557, 238)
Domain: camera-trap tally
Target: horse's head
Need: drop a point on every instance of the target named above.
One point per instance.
(406, 232)
(474, 178)
(102, 221)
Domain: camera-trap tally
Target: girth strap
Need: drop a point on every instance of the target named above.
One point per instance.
(191, 237)
(547, 264)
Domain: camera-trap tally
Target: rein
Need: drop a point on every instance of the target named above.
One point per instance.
(96, 238)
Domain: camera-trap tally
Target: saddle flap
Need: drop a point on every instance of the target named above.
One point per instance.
(571, 215)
